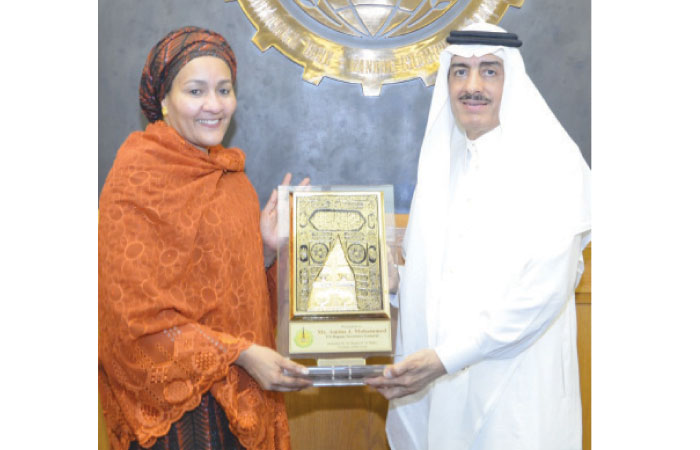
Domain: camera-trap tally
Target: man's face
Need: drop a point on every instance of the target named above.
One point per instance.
(476, 88)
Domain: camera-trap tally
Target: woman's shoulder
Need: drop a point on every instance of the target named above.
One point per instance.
(143, 144)
(135, 155)
(153, 132)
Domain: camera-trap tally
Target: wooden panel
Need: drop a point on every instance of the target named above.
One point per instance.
(583, 318)
(583, 321)
(401, 220)
(337, 418)
(583, 290)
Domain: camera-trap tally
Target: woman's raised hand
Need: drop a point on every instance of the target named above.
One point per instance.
(268, 220)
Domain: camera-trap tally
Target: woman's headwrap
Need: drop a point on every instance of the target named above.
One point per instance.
(170, 55)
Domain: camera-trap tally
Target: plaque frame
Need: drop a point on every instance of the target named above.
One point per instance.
(334, 362)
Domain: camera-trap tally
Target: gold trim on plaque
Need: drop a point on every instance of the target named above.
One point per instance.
(372, 42)
(337, 252)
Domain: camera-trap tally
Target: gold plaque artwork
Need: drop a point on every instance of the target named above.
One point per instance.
(337, 246)
(371, 42)
(333, 289)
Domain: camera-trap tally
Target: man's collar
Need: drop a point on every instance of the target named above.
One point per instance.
(487, 138)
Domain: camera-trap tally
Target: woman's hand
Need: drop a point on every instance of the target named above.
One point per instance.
(268, 221)
(268, 368)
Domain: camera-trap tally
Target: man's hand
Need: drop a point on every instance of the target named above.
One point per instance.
(409, 376)
(267, 367)
(268, 220)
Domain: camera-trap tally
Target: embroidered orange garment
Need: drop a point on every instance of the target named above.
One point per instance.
(182, 291)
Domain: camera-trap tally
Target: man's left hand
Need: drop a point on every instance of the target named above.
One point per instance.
(408, 376)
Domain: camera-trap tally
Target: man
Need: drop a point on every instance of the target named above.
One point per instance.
(499, 219)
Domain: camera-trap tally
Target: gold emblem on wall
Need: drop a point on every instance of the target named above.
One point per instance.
(371, 42)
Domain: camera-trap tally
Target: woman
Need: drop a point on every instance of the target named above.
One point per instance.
(186, 309)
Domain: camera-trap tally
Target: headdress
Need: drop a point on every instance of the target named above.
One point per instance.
(484, 37)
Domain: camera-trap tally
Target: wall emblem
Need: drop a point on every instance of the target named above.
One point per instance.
(371, 42)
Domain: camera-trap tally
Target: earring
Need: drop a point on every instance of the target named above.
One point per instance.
(164, 111)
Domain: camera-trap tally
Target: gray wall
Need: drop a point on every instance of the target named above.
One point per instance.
(329, 132)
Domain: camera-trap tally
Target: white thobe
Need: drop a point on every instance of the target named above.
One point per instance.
(505, 331)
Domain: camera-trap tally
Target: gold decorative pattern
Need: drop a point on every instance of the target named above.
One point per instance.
(337, 254)
(371, 42)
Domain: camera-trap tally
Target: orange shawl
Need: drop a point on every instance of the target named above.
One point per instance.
(182, 291)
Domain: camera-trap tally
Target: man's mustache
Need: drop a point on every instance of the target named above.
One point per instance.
(478, 96)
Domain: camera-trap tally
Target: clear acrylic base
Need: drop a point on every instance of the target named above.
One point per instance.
(328, 376)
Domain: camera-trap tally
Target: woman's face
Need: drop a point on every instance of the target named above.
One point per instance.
(201, 101)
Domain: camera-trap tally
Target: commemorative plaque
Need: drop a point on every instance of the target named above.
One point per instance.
(334, 292)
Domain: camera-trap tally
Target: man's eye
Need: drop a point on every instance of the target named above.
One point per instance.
(490, 72)
(225, 91)
(460, 72)
(195, 91)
